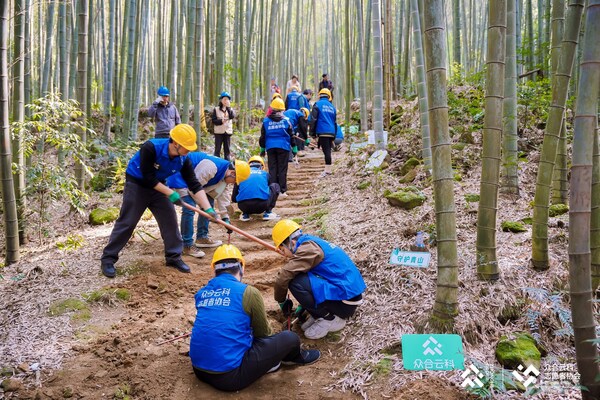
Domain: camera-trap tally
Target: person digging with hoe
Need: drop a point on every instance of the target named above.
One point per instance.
(145, 187)
(320, 275)
(231, 344)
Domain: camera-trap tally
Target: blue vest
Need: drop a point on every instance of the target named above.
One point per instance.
(222, 332)
(292, 100)
(255, 187)
(326, 124)
(339, 134)
(303, 102)
(165, 165)
(276, 135)
(293, 115)
(176, 181)
(334, 278)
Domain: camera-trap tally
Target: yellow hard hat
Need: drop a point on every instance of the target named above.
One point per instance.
(184, 135)
(325, 91)
(258, 159)
(305, 112)
(242, 171)
(276, 96)
(283, 229)
(278, 105)
(295, 87)
(227, 252)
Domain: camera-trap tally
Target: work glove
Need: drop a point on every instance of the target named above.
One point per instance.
(159, 99)
(262, 152)
(295, 150)
(175, 198)
(307, 142)
(227, 221)
(211, 211)
(286, 307)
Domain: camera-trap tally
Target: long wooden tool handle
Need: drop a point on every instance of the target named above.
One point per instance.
(233, 228)
(174, 339)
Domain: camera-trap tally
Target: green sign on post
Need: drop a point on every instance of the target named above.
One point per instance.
(433, 352)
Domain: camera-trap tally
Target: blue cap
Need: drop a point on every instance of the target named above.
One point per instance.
(224, 94)
(163, 91)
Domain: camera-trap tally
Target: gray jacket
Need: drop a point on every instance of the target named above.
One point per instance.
(165, 117)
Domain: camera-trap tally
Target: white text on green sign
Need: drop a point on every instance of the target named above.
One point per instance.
(433, 352)
(416, 259)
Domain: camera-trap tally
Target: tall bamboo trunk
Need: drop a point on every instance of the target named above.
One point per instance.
(189, 60)
(377, 77)
(362, 84)
(487, 261)
(421, 84)
(129, 82)
(110, 70)
(510, 167)
(585, 128)
(82, 84)
(199, 124)
(48, 51)
(456, 32)
(9, 204)
(446, 298)
(595, 224)
(560, 84)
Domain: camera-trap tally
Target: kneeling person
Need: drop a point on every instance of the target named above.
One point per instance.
(231, 346)
(320, 275)
(255, 195)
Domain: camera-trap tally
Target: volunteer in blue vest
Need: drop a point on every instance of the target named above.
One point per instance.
(164, 114)
(321, 277)
(304, 100)
(323, 126)
(145, 187)
(231, 344)
(217, 177)
(299, 120)
(255, 195)
(275, 138)
(292, 100)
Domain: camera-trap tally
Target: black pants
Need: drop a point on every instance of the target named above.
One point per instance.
(326, 144)
(224, 140)
(136, 199)
(278, 167)
(259, 206)
(302, 291)
(264, 354)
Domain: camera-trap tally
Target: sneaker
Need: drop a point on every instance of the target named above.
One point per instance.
(306, 357)
(208, 242)
(308, 323)
(324, 174)
(193, 251)
(108, 269)
(283, 194)
(322, 327)
(179, 265)
(269, 216)
(275, 368)
(244, 217)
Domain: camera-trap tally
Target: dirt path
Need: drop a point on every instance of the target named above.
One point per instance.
(118, 356)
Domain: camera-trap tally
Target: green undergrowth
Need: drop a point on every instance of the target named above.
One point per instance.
(79, 308)
(107, 295)
(314, 201)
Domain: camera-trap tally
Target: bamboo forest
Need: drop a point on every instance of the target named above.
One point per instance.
(319, 199)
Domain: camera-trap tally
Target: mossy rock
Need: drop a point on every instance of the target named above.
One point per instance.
(363, 185)
(558, 209)
(527, 221)
(103, 179)
(513, 226)
(410, 164)
(518, 349)
(471, 198)
(457, 177)
(409, 177)
(101, 216)
(459, 146)
(407, 198)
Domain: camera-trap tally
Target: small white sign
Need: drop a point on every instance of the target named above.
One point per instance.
(371, 136)
(418, 259)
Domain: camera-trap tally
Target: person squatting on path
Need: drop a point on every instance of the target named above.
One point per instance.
(231, 344)
(164, 114)
(275, 137)
(222, 119)
(255, 195)
(216, 176)
(320, 275)
(299, 121)
(323, 126)
(145, 187)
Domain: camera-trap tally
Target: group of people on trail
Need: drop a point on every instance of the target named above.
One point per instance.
(232, 344)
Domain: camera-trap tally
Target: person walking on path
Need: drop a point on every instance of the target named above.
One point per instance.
(164, 114)
(326, 83)
(299, 120)
(222, 119)
(275, 96)
(292, 100)
(232, 345)
(275, 138)
(256, 195)
(274, 87)
(291, 83)
(323, 126)
(145, 187)
(320, 275)
(217, 177)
